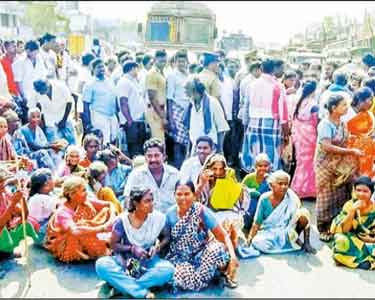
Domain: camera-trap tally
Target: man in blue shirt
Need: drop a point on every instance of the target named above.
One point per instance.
(100, 103)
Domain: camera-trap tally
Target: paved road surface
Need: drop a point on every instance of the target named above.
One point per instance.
(288, 275)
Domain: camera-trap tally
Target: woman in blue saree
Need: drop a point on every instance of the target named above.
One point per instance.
(280, 219)
(37, 141)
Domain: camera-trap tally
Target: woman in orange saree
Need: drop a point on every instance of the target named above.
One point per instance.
(361, 128)
(74, 229)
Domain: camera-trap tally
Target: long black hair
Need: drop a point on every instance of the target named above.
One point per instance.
(308, 88)
(38, 179)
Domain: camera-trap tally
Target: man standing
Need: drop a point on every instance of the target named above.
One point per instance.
(177, 102)
(156, 87)
(132, 107)
(48, 54)
(254, 73)
(209, 75)
(204, 116)
(155, 175)
(55, 102)
(229, 97)
(7, 61)
(27, 70)
(265, 118)
(100, 103)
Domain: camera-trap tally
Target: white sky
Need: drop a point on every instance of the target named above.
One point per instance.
(269, 21)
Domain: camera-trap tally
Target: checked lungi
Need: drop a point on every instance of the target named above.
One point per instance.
(263, 135)
(179, 133)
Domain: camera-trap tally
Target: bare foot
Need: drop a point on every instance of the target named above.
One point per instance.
(16, 255)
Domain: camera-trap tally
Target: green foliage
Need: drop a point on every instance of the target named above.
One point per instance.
(42, 17)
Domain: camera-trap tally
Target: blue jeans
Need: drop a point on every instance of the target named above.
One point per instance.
(159, 272)
(67, 133)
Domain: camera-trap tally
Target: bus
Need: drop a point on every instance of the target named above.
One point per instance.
(298, 57)
(180, 24)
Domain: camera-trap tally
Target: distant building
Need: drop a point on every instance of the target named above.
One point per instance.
(236, 41)
(10, 13)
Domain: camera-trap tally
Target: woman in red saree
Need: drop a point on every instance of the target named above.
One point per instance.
(74, 230)
(361, 128)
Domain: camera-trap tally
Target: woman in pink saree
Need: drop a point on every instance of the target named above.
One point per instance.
(304, 135)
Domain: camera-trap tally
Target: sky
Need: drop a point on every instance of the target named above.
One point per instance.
(266, 22)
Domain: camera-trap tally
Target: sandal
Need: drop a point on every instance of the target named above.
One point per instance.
(325, 236)
(230, 283)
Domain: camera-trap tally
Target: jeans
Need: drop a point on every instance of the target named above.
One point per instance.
(159, 272)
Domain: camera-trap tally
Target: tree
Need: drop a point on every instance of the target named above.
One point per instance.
(42, 17)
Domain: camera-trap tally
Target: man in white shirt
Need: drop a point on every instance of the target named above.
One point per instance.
(155, 175)
(147, 63)
(118, 71)
(100, 106)
(177, 103)
(55, 102)
(132, 107)
(254, 73)
(192, 167)
(47, 53)
(27, 70)
(204, 115)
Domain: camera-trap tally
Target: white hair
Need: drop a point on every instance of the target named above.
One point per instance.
(262, 157)
(31, 111)
(75, 148)
(279, 174)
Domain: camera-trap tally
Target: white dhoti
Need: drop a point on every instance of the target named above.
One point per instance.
(107, 124)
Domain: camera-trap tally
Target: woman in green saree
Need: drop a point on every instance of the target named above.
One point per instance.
(354, 228)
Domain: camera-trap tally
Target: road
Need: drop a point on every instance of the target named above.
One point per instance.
(289, 275)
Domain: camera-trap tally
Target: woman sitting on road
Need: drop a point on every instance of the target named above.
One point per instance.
(279, 219)
(72, 232)
(42, 203)
(354, 228)
(257, 184)
(135, 266)
(71, 165)
(195, 255)
(96, 174)
(11, 229)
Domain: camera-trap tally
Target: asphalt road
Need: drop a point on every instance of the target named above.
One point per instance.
(289, 275)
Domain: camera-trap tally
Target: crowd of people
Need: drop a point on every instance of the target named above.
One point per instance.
(168, 172)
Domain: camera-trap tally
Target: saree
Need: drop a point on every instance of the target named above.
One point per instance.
(43, 157)
(7, 151)
(195, 257)
(333, 172)
(348, 248)
(226, 199)
(12, 234)
(277, 233)
(68, 247)
(361, 127)
(304, 135)
(253, 190)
